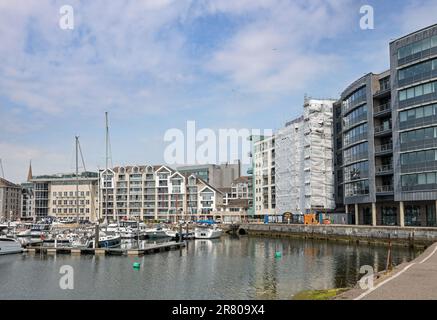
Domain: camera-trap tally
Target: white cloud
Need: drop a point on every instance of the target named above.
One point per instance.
(416, 15)
(280, 51)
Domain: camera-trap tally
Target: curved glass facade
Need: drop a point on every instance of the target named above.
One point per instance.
(357, 188)
(356, 116)
(356, 134)
(355, 153)
(356, 171)
(355, 98)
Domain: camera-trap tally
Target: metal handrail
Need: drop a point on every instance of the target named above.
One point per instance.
(384, 147)
(387, 188)
(383, 128)
(382, 107)
(384, 168)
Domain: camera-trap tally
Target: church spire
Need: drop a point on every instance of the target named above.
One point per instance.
(29, 174)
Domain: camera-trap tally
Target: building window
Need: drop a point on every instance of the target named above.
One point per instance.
(418, 91)
(418, 157)
(417, 47)
(419, 135)
(355, 98)
(418, 69)
(356, 171)
(357, 188)
(412, 215)
(419, 181)
(389, 216)
(357, 115)
(418, 113)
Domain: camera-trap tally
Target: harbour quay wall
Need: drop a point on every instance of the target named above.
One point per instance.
(407, 236)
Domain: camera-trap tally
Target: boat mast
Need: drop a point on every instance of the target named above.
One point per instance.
(77, 180)
(106, 167)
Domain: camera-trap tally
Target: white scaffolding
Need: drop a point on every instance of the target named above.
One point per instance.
(304, 161)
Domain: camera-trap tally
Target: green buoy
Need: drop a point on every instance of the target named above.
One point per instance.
(278, 254)
(136, 265)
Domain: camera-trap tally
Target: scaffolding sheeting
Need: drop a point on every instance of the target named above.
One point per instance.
(304, 161)
(318, 146)
(289, 167)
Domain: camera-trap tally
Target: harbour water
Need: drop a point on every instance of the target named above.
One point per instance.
(226, 268)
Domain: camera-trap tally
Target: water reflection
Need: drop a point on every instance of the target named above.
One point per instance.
(227, 268)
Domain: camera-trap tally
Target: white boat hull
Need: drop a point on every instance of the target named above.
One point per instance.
(205, 233)
(9, 246)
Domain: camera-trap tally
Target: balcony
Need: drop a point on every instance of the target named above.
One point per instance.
(383, 91)
(383, 129)
(384, 149)
(387, 189)
(382, 109)
(384, 169)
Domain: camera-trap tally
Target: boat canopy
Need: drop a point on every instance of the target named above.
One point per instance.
(206, 221)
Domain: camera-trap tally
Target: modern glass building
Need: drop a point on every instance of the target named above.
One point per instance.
(386, 138)
(413, 68)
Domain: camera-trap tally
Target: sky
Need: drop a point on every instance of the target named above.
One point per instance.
(156, 64)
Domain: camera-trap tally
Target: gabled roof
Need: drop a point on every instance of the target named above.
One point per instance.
(176, 173)
(6, 183)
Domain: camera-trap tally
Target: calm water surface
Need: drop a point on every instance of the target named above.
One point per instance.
(228, 268)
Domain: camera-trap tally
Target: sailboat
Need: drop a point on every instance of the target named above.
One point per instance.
(104, 241)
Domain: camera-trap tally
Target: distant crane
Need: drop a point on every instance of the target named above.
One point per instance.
(1, 167)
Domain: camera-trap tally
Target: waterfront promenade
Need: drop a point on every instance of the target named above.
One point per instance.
(415, 280)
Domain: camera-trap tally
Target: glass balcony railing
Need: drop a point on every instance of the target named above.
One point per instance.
(381, 108)
(384, 189)
(384, 168)
(387, 147)
(387, 127)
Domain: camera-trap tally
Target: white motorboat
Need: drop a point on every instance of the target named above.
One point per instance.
(9, 246)
(207, 232)
(24, 233)
(105, 241)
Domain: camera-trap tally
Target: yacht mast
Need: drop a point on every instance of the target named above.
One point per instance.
(77, 180)
(106, 167)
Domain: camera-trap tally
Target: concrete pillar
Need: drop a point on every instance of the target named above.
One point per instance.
(401, 214)
(435, 211)
(347, 208)
(357, 215)
(374, 214)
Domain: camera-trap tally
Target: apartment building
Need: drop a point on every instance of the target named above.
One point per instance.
(220, 176)
(10, 200)
(155, 193)
(27, 201)
(304, 161)
(386, 159)
(263, 159)
(55, 195)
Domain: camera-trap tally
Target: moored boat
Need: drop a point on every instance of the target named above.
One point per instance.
(9, 246)
(207, 232)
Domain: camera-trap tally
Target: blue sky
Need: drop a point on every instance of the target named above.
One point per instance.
(154, 64)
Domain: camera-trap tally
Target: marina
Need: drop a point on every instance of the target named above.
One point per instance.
(144, 249)
(226, 268)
